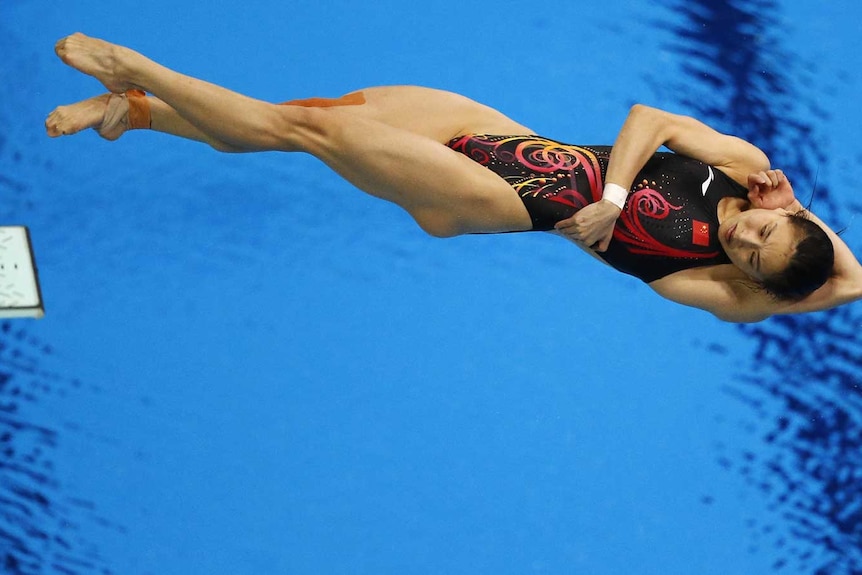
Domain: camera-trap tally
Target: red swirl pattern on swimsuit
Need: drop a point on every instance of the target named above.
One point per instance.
(631, 230)
(537, 167)
(545, 155)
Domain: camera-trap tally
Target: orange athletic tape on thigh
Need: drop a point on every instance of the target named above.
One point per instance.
(354, 99)
(139, 110)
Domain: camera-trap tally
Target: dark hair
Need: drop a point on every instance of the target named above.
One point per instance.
(810, 265)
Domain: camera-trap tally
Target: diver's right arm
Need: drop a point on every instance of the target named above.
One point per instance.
(644, 131)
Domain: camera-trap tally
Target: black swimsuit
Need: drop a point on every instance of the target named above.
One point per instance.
(669, 222)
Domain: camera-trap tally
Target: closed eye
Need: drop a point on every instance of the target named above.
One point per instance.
(754, 261)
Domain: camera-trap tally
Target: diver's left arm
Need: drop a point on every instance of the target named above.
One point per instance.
(845, 284)
(724, 291)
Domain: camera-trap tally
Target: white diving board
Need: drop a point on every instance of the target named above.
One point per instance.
(20, 295)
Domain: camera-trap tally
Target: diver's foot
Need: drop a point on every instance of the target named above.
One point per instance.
(108, 114)
(106, 62)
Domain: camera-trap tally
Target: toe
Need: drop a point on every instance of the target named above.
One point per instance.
(55, 125)
(51, 127)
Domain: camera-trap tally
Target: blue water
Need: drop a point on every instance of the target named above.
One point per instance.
(230, 380)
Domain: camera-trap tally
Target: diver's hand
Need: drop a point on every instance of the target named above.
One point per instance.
(592, 226)
(770, 190)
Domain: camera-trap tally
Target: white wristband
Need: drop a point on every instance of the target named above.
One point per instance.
(615, 194)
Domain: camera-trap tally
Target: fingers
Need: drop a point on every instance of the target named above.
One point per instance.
(573, 229)
(758, 178)
(769, 178)
(584, 235)
(603, 245)
(773, 178)
(566, 224)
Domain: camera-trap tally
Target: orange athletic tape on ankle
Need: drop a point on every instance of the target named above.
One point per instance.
(139, 110)
(354, 99)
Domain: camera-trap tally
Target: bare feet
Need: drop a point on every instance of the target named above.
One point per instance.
(108, 114)
(104, 61)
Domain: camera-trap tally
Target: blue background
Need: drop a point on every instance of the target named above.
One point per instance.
(247, 366)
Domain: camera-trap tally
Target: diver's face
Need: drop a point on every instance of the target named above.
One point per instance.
(759, 242)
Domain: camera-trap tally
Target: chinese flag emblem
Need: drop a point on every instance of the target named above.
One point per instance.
(700, 233)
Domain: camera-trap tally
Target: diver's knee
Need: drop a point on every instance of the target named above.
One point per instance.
(439, 225)
(300, 128)
(220, 146)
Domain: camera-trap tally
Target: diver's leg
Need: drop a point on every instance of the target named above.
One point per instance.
(238, 120)
(436, 114)
(222, 114)
(447, 193)
(108, 114)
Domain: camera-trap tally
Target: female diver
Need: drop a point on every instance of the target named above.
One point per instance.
(709, 226)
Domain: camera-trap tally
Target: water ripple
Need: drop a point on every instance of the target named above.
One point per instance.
(41, 524)
(802, 382)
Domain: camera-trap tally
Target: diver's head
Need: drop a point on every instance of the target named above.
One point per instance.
(785, 253)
